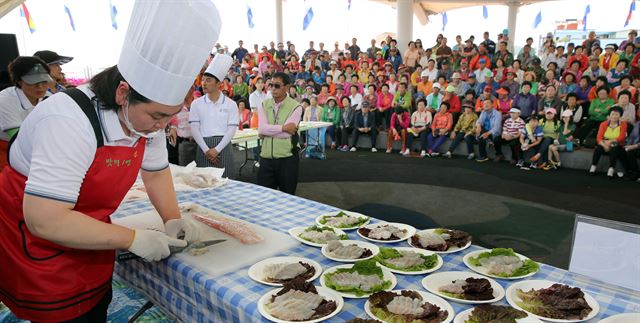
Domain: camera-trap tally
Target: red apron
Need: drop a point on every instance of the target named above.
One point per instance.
(43, 281)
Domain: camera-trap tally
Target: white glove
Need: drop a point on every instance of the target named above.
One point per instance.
(153, 245)
(190, 229)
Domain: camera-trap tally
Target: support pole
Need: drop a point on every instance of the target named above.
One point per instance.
(279, 34)
(405, 23)
(514, 6)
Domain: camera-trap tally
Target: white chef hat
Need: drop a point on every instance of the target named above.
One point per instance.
(165, 45)
(219, 66)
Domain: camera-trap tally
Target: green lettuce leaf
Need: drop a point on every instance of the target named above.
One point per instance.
(365, 268)
(321, 229)
(361, 220)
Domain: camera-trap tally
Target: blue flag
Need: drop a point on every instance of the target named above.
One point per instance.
(485, 12)
(444, 20)
(114, 13)
(349, 7)
(307, 19)
(73, 26)
(538, 20)
(587, 10)
(250, 17)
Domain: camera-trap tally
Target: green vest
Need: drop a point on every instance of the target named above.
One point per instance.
(278, 147)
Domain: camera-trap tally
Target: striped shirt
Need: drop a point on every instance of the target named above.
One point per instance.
(513, 127)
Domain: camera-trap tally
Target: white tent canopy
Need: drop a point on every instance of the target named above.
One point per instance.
(7, 5)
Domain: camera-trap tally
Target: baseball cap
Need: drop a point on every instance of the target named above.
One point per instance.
(472, 75)
(436, 85)
(365, 104)
(464, 60)
(467, 104)
(450, 88)
(488, 73)
(551, 110)
(502, 91)
(424, 74)
(482, 60)
(37, 74)
(51, 57)
(514, 110)
(455, 75)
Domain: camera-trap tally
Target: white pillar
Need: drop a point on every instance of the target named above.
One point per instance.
(405, 23)
(279, 35)
(513, 15)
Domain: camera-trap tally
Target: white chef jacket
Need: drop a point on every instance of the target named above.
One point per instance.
(56, 146)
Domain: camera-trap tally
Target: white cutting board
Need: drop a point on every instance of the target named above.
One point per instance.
(226, 256)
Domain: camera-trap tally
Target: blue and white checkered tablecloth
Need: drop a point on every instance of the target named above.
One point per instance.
(192, 296)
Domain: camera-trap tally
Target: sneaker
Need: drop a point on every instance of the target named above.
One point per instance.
(448, 154)
(436, 154)
(388, 151)
(257, 164)
(406, 152)
(482, 159)
(374, 150)
(471, 156)
(520, 163)
(610, 172)
(423, 153)
(592, 170)
(525, 167)
(533, 165)
(402, 151)
(548, 166)
(352, 149)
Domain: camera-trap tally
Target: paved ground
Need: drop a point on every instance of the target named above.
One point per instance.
(531, 211)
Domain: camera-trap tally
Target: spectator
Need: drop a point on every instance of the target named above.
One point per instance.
(515, 66)
(530, 140)
(632, 149)
(445, 70)
(384, 103)
(590, 42)
(598, 112)
(481, 70)
(504, 54)
(434, 99)
(579, 56)
(313, 112)
(609, 59)
(420, 127)
(464, 130)
(533, 84)
(354, 49)
(593, 70)
(571, 104)
(371, 51)
(568, 85)
(476, 64)
(526, 57)
(575, 68)
(615, 74)
(499, 71)
(240, 52)
(454, 101)
(489, 44)
(550, 128)
(511, 133)
(425, 86)
(511, 83)
(431, 71)
(504, 102)
(600, 81)
(411, 55)
(488, 82)
(526, 101)
(630, 40)
(244, 114)
(460, 87)
(331, 113)
(355, 97)
(365, 124)
(444, 52)
(402, 98)
(488, 130)
(550, 100)
(464, 70)
(240, 89)
(440, 128)
(564, 141)
(610, 140)
(324, 94)
(629, 110)
(400, 121)
(346, 123)
(485, 95)
(628, 52)
(582, 91)
(625, 84)
(394, 58)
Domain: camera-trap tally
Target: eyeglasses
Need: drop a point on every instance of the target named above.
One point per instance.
(277, 85)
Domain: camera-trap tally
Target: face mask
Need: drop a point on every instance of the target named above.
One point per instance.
(127, 122)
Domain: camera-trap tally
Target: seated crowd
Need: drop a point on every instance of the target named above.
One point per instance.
(538, 105)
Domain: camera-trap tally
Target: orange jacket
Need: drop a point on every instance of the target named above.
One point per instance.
(603, 127)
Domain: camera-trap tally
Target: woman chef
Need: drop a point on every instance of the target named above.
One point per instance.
(77, 155)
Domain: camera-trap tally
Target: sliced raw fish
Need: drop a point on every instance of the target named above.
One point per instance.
(408, 259)
(234, 228)
(319, 237)
(501, 264)
(364, 283)
(384, 232)
(340, 251)
(431, 239)
(283, 271)
(341, 221)
(405, 305)
(295, 305)
(455, 287)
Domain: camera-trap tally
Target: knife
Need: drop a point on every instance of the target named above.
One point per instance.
(128, 255)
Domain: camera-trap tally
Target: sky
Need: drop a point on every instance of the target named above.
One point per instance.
(96, 44)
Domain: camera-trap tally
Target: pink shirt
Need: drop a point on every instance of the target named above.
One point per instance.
(269, 130)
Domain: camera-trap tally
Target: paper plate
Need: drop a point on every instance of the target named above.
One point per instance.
(410, 231)
(387, 275)
(362, 244)
(327, 293)
(527, 285)
(426, 297)
(256, 271)
(433, 282)
(294, 232)
(450, 250)
(334, 213)
(483, 270)
(421, 272)
(462, 317)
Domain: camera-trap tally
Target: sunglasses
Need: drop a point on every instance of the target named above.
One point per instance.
(277, 85)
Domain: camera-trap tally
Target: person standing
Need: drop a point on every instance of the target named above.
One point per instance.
(278, 120)
(57, 238)
(214, 119)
